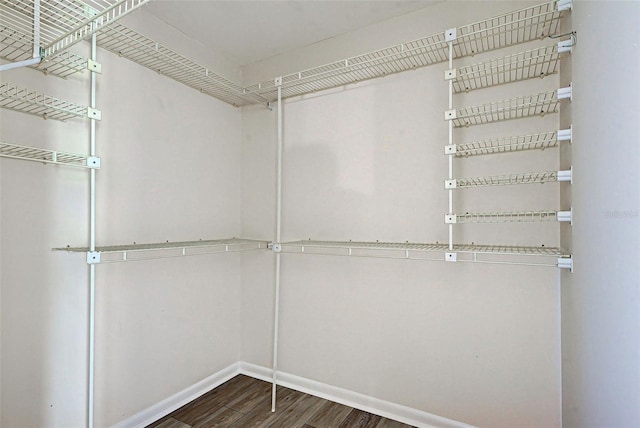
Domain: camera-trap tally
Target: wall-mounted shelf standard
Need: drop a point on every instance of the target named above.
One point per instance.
(509, 179)
(540, 141)
(15, 151)
(142, 50)
(507, 254)
(33, 102)
(534, 63)
(134, 252)
(514, 108)
(508, 217)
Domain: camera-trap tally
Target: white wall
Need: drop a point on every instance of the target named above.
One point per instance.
(171, 171)
(475, 343)
(601, 299)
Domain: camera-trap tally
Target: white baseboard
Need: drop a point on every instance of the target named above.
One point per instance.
(168, 405)
(356, 400)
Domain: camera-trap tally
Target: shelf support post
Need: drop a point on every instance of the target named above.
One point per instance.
(450, 37)
(278, 82)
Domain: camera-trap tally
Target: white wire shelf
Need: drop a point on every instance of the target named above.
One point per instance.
(539, 141)
(514, 108)
(512, 28)
(16, 46)
(509, 179)
(508, 217)
(501, 254)
(33, 102)
(15, 151)
(142, 50)
(134, 252)
(535, 63)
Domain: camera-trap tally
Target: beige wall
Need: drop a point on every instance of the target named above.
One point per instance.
(171, 171)
(601, 299)
(475, 343)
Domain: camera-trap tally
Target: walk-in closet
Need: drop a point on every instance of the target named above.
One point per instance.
(427, 211)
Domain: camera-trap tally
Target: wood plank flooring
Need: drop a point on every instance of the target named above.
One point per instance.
(245, 402)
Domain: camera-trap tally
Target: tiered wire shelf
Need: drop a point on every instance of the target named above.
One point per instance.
(509, 179)
(142, 50)
(539, 141)
(517, 27)
(506, 217)
(15, 151)
(535, 63)
(514, 108)
(135, 252)
(33, 102)
(542, 255)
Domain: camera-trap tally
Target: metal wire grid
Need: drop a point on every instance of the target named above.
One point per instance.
(529, 64)
(407, 56)
(33, 102)
(514, 108)
(16, 44)
(508, 29)
(202, 244)
(15, 151)
(507, 217)
(510, 179)
(538, 141)
(138, 48)
(535, 22)
(437, 247)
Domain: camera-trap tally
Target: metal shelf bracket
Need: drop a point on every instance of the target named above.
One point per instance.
(94, 66)
(565, 46)
(450, 114)
(93, 113)
(565, 5)
(566, 216)
(566, 263)
(565, 134)
(450, 219)
(450, 184)
(566, 175)
(450, 149)
(93, 257)
(93, 162)
(451, 34)
(564, 93)
(450, 257)
(450, 74)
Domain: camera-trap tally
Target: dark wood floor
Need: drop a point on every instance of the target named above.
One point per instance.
(245, 402)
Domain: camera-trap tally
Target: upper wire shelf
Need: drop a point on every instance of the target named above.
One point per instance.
(134, 252)
(140, 49)
(509, 179)
(15, 151)
(505, 217)
(61, 25)
(33, 102)
(514, 108)
(507, 254)
(534, 63)
(538, 141)
(521, 26)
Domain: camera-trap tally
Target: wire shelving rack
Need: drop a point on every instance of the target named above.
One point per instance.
(538, 141)
(15, 151)
(509, 179)
(33, 102)
(505, 217)
(161, 250)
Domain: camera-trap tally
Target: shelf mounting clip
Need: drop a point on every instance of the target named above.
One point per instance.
(93, 257)
(565, 263)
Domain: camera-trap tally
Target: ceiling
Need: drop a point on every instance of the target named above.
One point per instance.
(247, 31)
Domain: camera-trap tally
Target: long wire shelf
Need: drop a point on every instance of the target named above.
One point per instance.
(509, 179)
(508, 254)
(514, 108)
(512, 28)
(538, 141)
(33, 102)
(15, 151)
(134, 252)
(508, 217)
(142, 50)
(534, 63)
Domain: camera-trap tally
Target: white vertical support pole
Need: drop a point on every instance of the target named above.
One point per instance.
(450, 143)
(92, 245)
(36, 29)
(278, 230)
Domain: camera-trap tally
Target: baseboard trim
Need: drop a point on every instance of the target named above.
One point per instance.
(356, 400)
(168, 405)
(353, 399)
